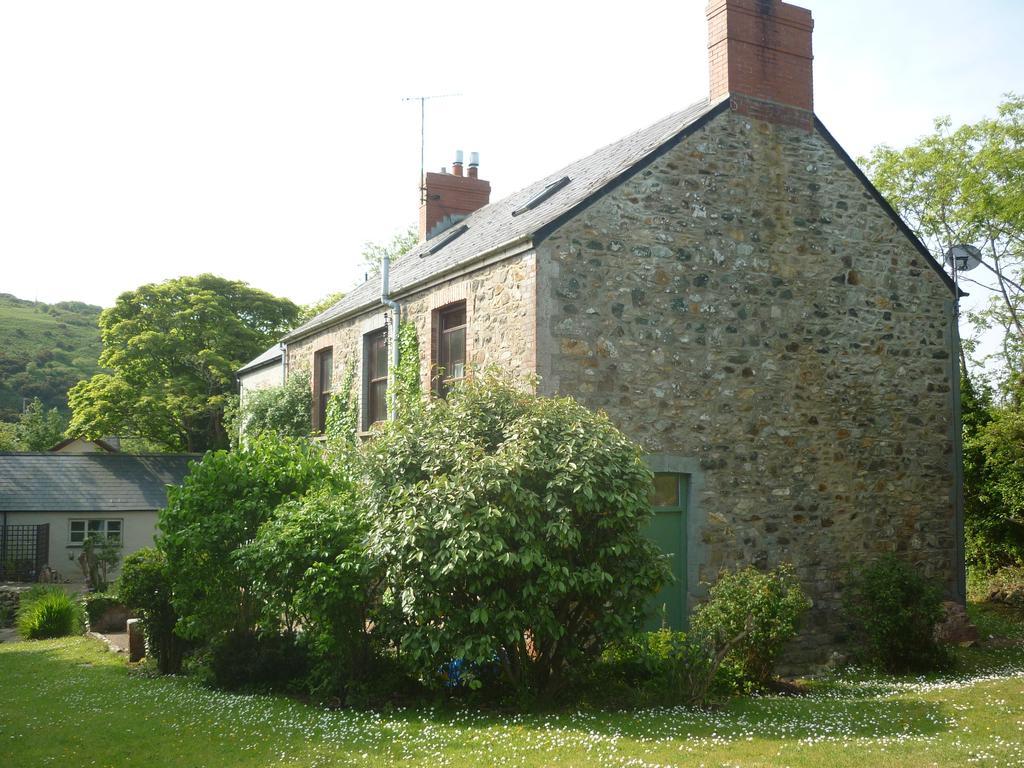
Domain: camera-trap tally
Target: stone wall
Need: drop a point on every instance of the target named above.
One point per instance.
(500, 300)
(744, 305)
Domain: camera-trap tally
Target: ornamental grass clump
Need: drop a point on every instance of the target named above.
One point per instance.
(47, 612)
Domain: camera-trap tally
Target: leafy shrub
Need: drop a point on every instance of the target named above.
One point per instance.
(508, 526)
(145, 586)
(308, 567)
(221, 504)
(1005, 586)
(663, 668)
(49, 612)
(258, 661)
(895, 610)
(285, 411)
(105, 611)
(757, 612)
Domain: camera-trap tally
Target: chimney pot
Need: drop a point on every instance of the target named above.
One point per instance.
(449, 198)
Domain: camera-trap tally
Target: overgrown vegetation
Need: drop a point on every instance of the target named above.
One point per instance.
(508, 528)
(756, 613)
(220, 507)
(145, 586)
(895, 609)
(494, 529)
(285, 411)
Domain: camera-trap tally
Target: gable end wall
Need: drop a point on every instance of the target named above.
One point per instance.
(745, 305)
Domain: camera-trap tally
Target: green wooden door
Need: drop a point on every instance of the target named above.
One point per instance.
(668, 530)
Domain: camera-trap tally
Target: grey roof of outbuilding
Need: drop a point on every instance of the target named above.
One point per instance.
(88, 482)
(272, 355)
(494, 225)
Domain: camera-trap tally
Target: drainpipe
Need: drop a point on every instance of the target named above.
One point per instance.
(387, 301)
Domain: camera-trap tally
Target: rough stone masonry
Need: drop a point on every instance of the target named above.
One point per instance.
(746, 306)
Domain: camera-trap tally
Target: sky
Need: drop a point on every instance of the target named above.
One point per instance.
(268, 141)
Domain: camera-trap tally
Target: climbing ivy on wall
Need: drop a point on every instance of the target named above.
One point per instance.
(406, 376)
(343, 411)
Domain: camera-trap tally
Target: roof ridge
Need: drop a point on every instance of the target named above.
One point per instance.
(494, 224)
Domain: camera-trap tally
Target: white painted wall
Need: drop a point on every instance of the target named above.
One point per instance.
(137, 532)
(261, 378)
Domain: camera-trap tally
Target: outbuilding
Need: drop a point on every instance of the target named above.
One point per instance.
(50, 503)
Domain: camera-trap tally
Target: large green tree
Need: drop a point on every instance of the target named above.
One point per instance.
(965, 186)
(172, 349)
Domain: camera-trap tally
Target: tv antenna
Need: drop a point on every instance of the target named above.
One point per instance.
(423, 123)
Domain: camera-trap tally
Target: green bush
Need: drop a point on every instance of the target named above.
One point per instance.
(308, 568)
(49, 612)
(508, 526)
(895, 609)
(220, 506)
(754, 612)
(101, 608)
(255, 662)
(1005, 586)
(285, 410)
(145, 586)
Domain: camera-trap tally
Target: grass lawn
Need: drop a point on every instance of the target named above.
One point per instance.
(71, 703)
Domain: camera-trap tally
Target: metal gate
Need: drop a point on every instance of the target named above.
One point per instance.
(24, 551)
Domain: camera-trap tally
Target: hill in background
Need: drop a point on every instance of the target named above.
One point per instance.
(45, 349)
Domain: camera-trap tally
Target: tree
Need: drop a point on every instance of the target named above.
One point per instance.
(8, 437)
(966, 186)
(309, 311)
(39, 428)
(173, 349)
(399, 245)
(508, 527)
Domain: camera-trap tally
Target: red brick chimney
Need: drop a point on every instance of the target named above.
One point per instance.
(451, 197)
(760, 54)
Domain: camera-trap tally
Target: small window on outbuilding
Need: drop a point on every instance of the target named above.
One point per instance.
(98, 529)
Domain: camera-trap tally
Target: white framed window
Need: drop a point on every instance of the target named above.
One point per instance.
(111, 530)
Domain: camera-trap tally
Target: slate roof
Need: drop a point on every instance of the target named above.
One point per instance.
(494, 225)
(272, 355)
(88, 482)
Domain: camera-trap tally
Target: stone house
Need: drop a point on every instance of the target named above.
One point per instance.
(729, 287)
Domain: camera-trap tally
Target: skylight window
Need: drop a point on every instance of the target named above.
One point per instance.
(445, 239)
(541, 196)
